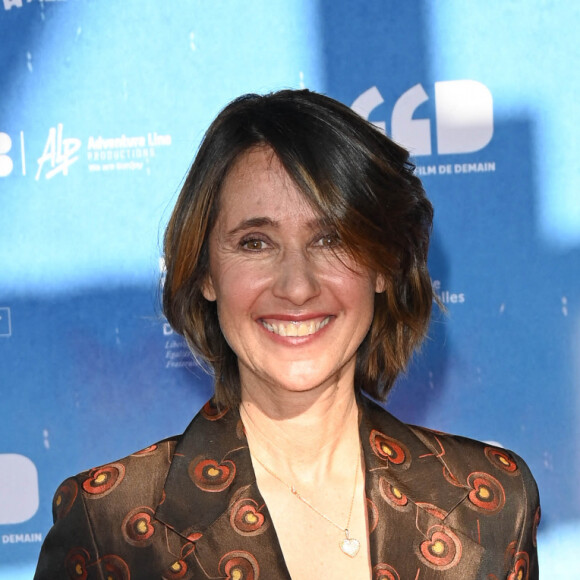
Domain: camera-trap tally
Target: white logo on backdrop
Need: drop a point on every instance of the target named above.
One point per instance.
(6, 163)
(103, 154)
(59, 153)
(18, 488)
(448, 296)
(5, 322)
(124, 153)
(463, 117)
(14, 4)
(8, 4)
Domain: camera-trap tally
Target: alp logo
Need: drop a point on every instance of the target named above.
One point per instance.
(463, 117)
(59, 153)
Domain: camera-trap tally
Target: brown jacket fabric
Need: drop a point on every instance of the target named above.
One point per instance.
(439, 507)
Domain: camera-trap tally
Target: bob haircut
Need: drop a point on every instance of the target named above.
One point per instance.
(359, 180)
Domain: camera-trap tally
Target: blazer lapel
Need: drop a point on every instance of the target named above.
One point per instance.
(212, 500)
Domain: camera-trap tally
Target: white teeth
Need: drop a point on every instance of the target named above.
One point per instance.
(295, 327)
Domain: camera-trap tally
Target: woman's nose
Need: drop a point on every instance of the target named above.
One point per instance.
(295, 279)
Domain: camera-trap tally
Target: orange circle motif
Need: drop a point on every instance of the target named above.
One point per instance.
(138, 527)
(389, 449)
(393, 495)
(103, 480)
(442, 550)
(239, 565)
(521, 567)
(247, 519)
(385, 572)
(64, 498)
(209, 475)
(487, 493)
(501, 459)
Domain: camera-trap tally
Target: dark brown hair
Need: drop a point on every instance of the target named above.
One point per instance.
(356, 178)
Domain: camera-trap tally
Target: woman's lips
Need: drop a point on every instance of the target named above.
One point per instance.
(295, 327)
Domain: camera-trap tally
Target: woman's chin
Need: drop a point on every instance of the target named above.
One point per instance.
(304, 380)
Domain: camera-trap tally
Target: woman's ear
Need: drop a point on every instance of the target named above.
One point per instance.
(208, 289)
(380, 284)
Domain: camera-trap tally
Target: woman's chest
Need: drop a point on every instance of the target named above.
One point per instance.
(313, 537)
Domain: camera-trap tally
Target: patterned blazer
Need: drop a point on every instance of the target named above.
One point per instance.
(439, 507)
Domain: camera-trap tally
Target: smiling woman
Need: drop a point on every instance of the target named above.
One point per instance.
(296, 269)
(360, 190)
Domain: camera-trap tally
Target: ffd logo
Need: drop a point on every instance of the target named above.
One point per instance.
(463, 117)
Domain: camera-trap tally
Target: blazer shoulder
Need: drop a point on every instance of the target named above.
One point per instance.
(460, 457)
(135, 479)
(120, 497)
(501, 488)
(470, 452)
(463, 458)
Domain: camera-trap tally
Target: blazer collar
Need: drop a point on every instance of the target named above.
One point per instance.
(211, 498)
(211, 463)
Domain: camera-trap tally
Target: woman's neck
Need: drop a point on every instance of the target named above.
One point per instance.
(302, 436)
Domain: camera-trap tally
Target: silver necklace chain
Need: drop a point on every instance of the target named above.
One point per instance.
(350, 546)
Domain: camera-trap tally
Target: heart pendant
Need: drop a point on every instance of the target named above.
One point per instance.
(350, 547)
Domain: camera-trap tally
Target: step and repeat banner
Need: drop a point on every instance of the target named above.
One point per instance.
(102, 107)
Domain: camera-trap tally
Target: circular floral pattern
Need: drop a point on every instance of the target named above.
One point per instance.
(239, 566)
(442, 548)
(393, 495)
(212, 412)
(487, 494)
(76, 563)
(209, 475)
(501, 459)
(64, 498)
(138, 528)
(385, 572)
(103, 480)
(115, 567)
(247, 519)
(389, 449)
(521, 567)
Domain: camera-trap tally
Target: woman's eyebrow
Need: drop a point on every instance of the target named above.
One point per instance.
(258, 222)
(255, 222)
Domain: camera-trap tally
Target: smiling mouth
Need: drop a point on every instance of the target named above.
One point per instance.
(295, 327)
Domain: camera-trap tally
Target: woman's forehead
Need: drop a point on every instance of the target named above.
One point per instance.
(258, 184)
(254, 163)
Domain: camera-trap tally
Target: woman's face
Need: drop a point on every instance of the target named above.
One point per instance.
(291, 305)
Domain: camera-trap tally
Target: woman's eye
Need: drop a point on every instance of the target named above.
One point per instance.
(254, 245)
(328, 241)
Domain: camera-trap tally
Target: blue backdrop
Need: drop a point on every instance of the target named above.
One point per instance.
(102, 107)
